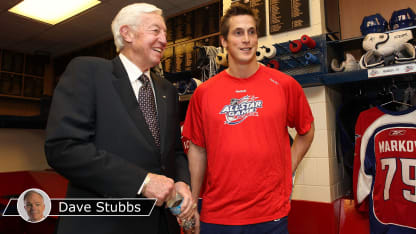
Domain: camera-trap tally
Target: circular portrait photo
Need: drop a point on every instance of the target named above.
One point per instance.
(34, 205)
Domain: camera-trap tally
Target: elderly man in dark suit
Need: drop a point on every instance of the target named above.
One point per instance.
(113, 130)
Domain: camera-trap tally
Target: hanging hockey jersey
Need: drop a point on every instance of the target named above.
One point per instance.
(365, 119)
(387, 172)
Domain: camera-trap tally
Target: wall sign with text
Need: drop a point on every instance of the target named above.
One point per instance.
(287, 15)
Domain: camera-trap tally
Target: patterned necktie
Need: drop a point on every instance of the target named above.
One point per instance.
(148, 106)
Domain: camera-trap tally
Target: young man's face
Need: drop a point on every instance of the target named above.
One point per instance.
(148, 41)
(241, 42)
(34, 207)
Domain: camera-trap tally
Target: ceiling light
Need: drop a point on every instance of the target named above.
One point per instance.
(52, 11)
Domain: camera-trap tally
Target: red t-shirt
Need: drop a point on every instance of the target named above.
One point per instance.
(242, 124)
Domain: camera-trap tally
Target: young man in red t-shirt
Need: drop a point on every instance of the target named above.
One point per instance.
(237, 124)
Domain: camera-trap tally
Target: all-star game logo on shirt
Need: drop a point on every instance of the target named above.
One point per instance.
(239, 109)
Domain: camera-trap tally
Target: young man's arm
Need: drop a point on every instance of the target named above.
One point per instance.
(300, 146)
(197, 157)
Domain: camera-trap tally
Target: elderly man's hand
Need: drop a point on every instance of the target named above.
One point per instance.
(159, 187)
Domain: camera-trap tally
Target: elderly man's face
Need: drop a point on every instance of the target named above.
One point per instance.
(148, 41)
(34, 206)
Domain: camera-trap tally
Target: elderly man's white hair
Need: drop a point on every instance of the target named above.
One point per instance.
(130, 15)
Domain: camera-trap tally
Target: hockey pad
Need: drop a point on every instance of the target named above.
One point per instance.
(371, 59)
(372, 39)
(336, 66)
(221, 58)
(386, 43)
(405, 53)
(350, 63)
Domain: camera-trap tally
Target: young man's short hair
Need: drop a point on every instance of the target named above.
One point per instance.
(235, 10)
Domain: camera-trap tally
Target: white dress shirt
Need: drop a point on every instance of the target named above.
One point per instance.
(134, 73)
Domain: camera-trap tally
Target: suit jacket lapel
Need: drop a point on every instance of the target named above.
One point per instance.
(123, 86)
(160, 94)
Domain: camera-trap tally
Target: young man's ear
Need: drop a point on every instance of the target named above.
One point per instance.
(223, 42)
(127, 33)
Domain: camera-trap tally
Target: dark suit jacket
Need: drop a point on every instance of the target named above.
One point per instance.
(98, 139)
